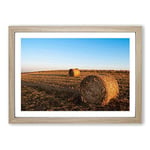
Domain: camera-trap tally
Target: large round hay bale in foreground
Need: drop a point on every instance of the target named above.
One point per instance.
(99, 89)
(74, 72)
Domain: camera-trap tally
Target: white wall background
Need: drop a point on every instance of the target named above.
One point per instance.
(73, 12)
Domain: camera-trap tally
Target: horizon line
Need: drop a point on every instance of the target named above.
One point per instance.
(79, 69)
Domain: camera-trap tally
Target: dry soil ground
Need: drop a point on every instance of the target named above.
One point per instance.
(55, 90)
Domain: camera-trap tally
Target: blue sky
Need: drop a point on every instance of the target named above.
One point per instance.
(83, 53)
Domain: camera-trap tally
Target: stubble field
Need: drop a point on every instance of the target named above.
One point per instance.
(57, 91)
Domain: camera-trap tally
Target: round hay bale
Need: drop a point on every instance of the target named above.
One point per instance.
(99, 89)
(74, 72)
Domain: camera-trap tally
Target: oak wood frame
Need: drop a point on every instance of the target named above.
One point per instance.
(138, 72)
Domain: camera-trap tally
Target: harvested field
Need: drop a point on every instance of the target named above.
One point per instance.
(57, 91)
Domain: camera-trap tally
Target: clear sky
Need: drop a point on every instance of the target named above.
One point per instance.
(83, 53)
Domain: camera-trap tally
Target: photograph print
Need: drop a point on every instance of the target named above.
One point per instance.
(75, 73)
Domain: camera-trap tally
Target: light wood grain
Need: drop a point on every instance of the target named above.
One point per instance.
(87, 120)
(75, 28)
(138, 72)
(11, 75)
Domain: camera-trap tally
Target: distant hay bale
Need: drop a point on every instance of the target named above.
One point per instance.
(74, 72)
(99, 89)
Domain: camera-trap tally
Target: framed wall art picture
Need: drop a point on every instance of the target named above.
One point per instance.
(75, 74)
